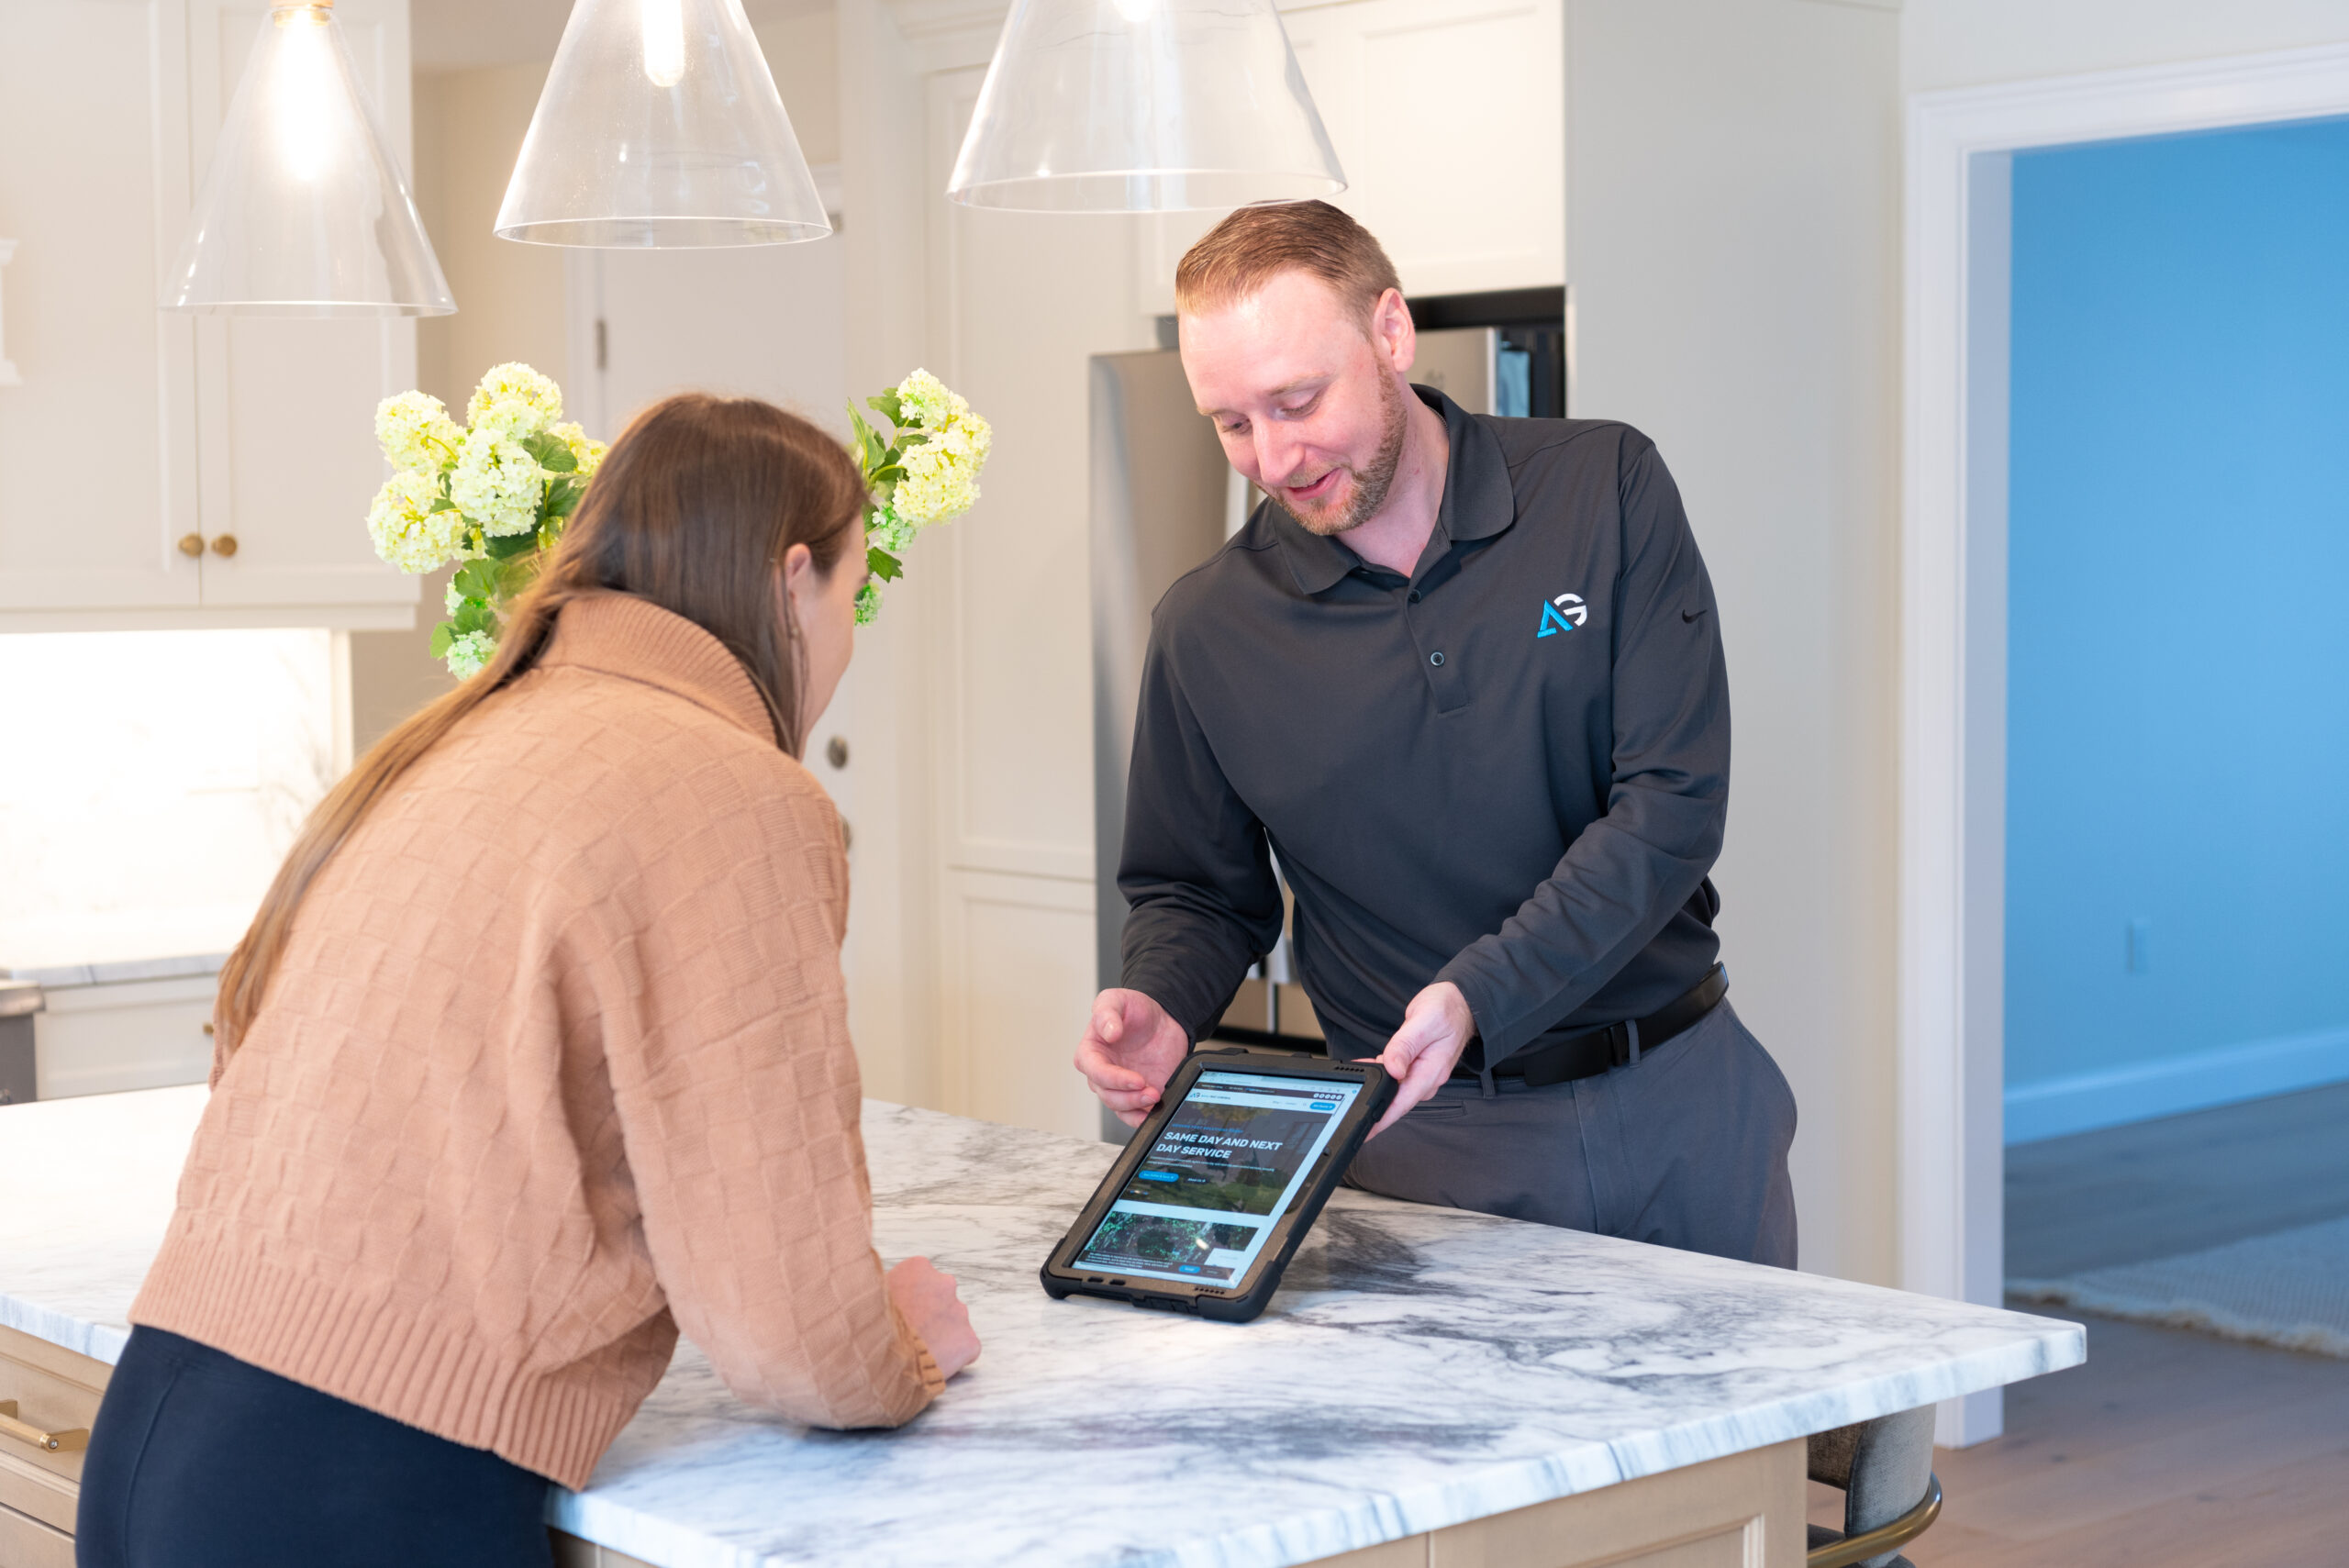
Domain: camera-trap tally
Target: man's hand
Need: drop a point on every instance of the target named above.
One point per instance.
(1130, 1049)
(925, 1297)
(1436, 1029)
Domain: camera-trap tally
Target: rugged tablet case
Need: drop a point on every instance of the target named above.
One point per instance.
(1224, 1305)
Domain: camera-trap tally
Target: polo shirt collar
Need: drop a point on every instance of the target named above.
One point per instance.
(1478, 501)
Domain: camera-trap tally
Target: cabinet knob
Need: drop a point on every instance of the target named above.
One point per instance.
(224, 545)
(836, 751)
(191, 544)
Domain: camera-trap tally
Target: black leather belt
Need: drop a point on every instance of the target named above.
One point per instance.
(1593, 1052)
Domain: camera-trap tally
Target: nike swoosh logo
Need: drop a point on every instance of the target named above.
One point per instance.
(1687, 616)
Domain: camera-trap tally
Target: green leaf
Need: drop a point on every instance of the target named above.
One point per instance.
(891, 406)
(562, 498)
(502, 546)
(473, 616)
(882, 564)
(442, 636)
(477, 579)
(518, 573)
(888, 475)
(553, 455)
(443, 505)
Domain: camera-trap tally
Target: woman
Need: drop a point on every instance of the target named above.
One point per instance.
(536, 1053)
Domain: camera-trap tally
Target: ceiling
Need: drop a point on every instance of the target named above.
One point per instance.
(461, 34)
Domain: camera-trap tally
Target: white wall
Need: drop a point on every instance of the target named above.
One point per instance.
(155, 781)
(1732, 205)
(1959, 43)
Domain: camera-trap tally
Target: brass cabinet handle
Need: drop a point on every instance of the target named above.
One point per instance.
(224, 545)
(191, 544)
(47, 1442)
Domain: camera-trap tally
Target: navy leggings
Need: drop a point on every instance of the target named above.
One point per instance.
(201, 1461)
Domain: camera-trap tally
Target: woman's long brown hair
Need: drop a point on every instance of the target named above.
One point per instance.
(692, 509)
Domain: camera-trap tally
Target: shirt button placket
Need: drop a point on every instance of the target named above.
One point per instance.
(1442, 670)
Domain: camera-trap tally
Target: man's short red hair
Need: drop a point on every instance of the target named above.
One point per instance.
(1256, 244)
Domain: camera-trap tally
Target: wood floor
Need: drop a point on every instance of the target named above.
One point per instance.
(2167, 1449)
(2153, 1189)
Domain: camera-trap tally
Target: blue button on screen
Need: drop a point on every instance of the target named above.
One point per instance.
(1325, 1105)
(1158, 1175)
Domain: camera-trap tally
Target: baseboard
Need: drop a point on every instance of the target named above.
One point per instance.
(2086, 1101)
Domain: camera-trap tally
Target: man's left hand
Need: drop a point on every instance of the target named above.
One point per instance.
(1437, 1026)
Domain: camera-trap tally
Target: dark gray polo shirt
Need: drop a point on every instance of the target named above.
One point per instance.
(1509, 771)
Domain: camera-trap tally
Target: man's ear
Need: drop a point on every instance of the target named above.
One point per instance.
(1392, 330)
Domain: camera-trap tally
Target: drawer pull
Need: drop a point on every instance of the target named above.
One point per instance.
(47, 1442)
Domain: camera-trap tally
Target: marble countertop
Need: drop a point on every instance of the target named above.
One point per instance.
(1419, 1367)
(118, 972)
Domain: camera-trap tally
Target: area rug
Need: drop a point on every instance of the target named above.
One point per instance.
(2289, 1289)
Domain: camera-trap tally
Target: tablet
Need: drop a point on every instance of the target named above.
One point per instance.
(1207, 1203)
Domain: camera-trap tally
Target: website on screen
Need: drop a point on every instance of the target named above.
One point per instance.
(1202, 1204)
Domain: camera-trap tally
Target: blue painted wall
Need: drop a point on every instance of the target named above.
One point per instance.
(2178, 599)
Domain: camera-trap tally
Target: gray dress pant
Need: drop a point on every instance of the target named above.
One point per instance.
(1685, 1148)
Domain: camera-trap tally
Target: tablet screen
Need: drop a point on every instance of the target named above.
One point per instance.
(1203, 1202)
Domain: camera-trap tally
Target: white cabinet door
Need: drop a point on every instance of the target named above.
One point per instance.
(97, 461)
(1448, 117)
(285, 407)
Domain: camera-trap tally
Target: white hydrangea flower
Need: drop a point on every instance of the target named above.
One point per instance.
(407, 532)
(415, 430)
(469, 653)
(510, 418)
(450, 599)
(516, 382)
(498, 483)
(924, 400)
(891, 530)
(940, 482)
(943, 469)
(588, 454)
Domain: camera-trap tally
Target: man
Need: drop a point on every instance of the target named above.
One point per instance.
(1463, 675)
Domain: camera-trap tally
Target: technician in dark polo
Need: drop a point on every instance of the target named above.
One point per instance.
(1463, 676)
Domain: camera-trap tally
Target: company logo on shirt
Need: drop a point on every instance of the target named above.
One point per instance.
(1562, 613)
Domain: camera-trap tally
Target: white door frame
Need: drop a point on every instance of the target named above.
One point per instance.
(1953, 598)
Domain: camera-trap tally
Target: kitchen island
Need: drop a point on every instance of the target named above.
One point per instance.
(1428, 1386)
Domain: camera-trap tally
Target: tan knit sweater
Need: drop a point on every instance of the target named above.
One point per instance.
(555, 1062)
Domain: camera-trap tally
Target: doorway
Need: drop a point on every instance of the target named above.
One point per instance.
(1963, 147)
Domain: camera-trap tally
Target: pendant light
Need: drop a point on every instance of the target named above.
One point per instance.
(1143, 105)
(304, 211)
(661, 127)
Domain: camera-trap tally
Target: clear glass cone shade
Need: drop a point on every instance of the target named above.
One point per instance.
(303, 212)
(1143, 105)
(660, 125)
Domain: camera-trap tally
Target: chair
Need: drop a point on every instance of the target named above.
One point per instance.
(1886, 1469)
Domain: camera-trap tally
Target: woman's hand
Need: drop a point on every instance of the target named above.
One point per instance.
(1131, 1048)
(926, 1299)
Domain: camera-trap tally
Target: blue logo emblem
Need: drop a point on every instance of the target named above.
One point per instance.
(1562, 613)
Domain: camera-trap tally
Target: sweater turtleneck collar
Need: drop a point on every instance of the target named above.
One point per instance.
(620, 634)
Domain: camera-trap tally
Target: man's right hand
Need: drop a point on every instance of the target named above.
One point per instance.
(1130, 1049)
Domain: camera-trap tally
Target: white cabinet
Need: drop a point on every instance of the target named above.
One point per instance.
(134, 434)
(1448, 117)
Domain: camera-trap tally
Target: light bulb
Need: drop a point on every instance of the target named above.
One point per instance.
(664, 42)
(302, 103)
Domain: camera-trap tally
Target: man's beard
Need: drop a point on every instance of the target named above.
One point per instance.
(1371, 484)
